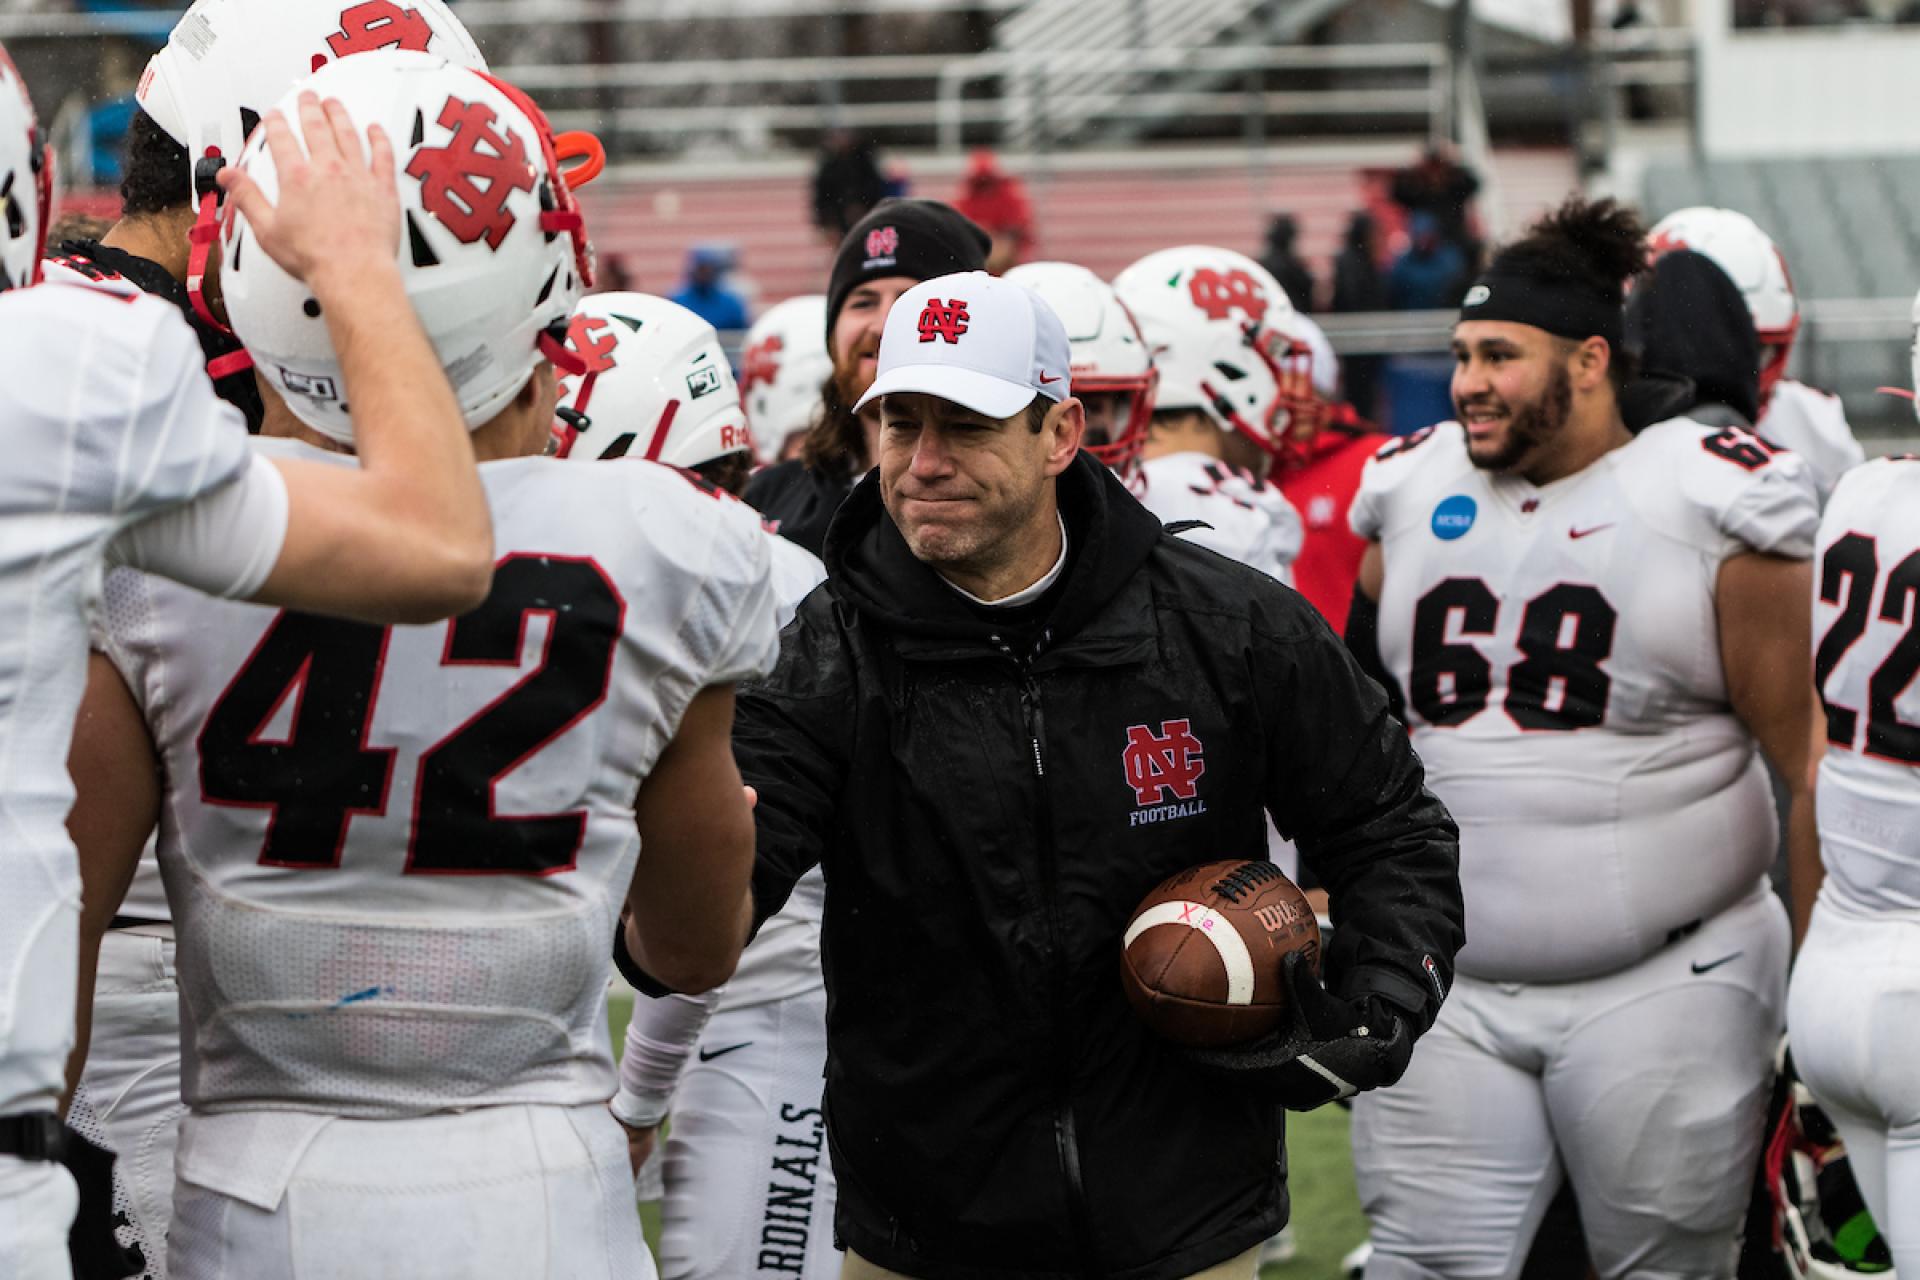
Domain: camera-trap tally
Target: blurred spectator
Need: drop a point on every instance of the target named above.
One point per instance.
(1285, 264)
(846, 183)
(615, 276)
(1357, 286)
(1441, 187)
(899, 180)
(997, 201)
(1431, 274)
(706, 292)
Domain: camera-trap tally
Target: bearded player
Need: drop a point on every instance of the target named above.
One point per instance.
(896, 246)
(1794, 415)
(396, 856)
(118, 451)
(1215, 322)
(1854, 985)
(1590, 629)
(747, 1185)
(224, 64)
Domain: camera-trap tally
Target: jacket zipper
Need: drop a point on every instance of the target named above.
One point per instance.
(1066, 1141)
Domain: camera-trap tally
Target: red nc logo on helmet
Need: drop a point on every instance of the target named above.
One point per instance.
(761, 363)
(380, 24)
(1221, 295)
(1156, 763)
(451, 176)
(595, 353)
(882, 242)
(943, 320)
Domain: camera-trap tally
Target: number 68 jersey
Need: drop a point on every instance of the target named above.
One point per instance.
(396, 855)
(1866, 634)
(1559, 653)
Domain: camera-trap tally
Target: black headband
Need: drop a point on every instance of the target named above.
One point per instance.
(1562, 307)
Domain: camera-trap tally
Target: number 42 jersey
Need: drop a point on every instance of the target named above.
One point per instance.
(1559, 653)
(396, 855)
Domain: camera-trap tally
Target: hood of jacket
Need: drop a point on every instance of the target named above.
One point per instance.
(1686, 319)
(1109, 535)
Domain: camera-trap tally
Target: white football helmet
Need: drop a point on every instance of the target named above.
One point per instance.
(26, 182)
(1753, 262)
(1109, 355)
(491, 244)
(227, 61)
(1821, 1226)
(655, 384)
(782, 365)
(1219, 327)
(1914, 362)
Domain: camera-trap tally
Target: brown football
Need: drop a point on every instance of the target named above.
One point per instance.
(1203, 956)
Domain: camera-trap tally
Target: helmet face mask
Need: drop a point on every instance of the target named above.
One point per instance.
(491, 248)
(1748, 255)
(1821, 1227)
(654, 385)
(1109, 357)
(1219, 327)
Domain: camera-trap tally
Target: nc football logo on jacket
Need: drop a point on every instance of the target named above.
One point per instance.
(1162, 765)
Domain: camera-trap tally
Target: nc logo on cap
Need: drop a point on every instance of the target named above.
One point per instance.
(882, 242)
(1476, 295)
(943, 320)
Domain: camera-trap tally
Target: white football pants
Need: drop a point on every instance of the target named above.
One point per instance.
(129, 1094)
(1853, 1020)
(749, 1185)
(1647, 1087)
(500, 1193)
(37, 1204)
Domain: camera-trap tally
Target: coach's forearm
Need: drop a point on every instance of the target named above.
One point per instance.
(414, 450)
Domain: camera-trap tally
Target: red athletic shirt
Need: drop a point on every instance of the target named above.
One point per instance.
(1321, 489)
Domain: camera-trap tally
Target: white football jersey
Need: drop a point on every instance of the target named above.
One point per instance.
(396, 856)
(1866, 635)
(783, 959)
(1560, 657)
(1814, 425)
(106, 419)
(1244, 518)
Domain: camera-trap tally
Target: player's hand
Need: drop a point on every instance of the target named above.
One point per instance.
(640, 1144)
(339, 211)
(1330, 1050)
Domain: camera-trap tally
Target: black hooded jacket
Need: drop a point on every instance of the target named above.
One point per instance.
(990, 803)
(1693, 337)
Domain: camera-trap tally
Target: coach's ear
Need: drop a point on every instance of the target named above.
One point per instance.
(1065, 426)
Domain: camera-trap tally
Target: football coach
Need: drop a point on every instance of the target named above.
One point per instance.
(1017, 705)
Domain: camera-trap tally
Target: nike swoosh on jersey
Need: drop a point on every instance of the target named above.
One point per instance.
(1715, 964)
(1577, 534)
(708, 1055)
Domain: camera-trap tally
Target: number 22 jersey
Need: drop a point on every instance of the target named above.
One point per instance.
(396, 855)
(1559, 653)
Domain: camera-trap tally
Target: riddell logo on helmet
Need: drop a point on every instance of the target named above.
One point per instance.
(451, 176)
(946, 320)
(380, 24)
(1220, 295)
(1156, 764)
(882, 242)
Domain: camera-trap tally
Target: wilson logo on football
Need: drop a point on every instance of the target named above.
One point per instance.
(946, 320)
(883, 242)
(380, 24)
(1163, 764)
(594, 349)
(761, 363)
(451, 177)
(1220, 295)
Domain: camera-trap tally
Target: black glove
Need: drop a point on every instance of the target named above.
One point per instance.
(1330, 1049)
(94, 1250)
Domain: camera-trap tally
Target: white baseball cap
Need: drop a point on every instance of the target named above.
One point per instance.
(985, 343)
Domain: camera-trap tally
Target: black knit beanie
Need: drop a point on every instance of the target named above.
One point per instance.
(920, 239)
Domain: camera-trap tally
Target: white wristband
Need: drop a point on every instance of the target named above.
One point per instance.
(640, 1110)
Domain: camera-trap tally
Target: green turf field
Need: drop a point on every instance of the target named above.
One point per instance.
(1326, 1214)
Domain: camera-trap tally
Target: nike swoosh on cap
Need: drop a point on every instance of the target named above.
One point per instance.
(1045, 379)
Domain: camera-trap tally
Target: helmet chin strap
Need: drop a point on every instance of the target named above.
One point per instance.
(205, 231)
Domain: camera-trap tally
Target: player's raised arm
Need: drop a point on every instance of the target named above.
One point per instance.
(406, 536)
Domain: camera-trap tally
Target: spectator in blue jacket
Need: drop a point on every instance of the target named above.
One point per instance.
(706, 292)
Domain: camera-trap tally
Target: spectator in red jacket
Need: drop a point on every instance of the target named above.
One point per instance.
(997, 201)
(1331, 443)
